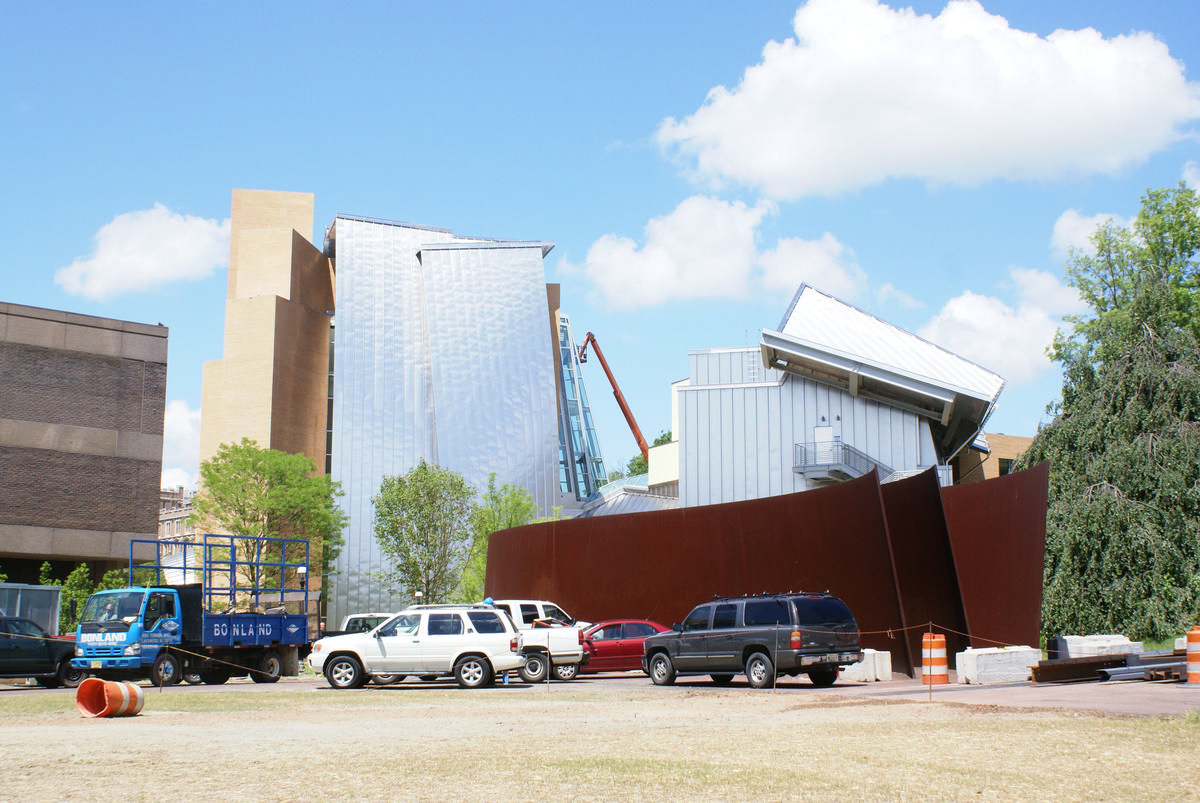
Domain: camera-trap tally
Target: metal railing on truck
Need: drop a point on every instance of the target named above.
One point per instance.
(237, 575)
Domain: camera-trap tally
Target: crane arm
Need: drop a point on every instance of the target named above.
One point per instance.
(637, 433)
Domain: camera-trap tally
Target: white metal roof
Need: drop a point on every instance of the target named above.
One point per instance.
(829, 340)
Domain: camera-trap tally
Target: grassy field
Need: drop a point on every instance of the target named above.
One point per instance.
(583, 742)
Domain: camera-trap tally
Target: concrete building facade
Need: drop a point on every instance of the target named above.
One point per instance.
(272, 383)
(82, 401)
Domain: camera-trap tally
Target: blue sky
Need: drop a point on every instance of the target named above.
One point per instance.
(694, 162)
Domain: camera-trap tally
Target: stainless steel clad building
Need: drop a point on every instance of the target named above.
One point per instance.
(384, 343)
(443, 350)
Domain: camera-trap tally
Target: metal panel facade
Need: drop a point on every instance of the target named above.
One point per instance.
(442, 351)
(739, 421)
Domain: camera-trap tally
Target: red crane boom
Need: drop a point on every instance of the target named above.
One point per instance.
(637, 433)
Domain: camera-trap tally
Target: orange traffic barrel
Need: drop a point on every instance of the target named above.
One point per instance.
(934, 669)
(108, 698)
(1193, 655)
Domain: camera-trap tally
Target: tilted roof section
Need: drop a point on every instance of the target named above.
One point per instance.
(827, 340)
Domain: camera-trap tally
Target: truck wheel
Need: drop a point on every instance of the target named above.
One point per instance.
(760, 672)
(535, 668)
(270, 667)
(344, 672)
(472, 672)
(192, 678)
(823, 678)
(68, 675)
(566, 671)
(662, 671)
(167, 669)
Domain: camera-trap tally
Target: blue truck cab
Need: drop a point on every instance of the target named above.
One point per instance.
(211, 626)
(123, 631)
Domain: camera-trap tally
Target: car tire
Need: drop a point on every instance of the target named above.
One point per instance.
(566, 672)
(386, 680)
(823, 678)
(192, 678)
(760, 671)
(473, 672)
(167, 669)
(270, 668)
(722, 680)
(662, 671)
(344, 672)
(537, 665)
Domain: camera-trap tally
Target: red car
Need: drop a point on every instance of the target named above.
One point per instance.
(616, 645)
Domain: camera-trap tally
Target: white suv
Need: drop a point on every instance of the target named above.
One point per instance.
(470, 642)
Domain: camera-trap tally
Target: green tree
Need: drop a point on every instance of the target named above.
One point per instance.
(638, 464)
(249, 492)
(75, 589)
(1123, 525)
(500, 509)
(424, 525)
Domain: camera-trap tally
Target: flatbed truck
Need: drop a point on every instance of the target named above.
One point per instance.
(226, 606)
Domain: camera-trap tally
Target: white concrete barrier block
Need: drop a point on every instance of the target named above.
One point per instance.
(876, 665)
(996, 664)
(1100, 644)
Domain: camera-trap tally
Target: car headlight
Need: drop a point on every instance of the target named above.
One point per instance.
(133, 650)
(78, 651)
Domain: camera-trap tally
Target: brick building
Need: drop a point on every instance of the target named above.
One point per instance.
(82, 401)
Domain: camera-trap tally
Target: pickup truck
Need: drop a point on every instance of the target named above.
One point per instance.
(359, 623)
(549, 632)
(27, 651)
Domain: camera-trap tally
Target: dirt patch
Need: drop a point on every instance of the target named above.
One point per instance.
(582, 741)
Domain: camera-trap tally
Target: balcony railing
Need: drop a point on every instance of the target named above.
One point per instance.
(834, 461)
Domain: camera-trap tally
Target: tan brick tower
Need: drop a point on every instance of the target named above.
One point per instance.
(272, 383)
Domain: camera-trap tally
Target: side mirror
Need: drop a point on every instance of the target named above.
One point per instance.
(677, 627)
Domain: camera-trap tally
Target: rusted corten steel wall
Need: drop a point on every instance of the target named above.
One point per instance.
(998, 535)
(926, 582)
(659, 565)
(886, 550)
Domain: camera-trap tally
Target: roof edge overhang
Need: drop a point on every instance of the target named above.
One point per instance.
(955, 410)
(458, 245)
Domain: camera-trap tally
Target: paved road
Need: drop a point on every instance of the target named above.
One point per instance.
(1132, 697)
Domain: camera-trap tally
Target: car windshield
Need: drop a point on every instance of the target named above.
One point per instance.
(557, 613)
(117, 606)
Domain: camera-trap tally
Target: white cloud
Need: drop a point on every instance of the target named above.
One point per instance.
(889, 294)
(1191, 174)
(142, 250)
(1072, 230)
(865, 93)
(1011, 342)
(181, 445)
(704, 248)
(825, 264)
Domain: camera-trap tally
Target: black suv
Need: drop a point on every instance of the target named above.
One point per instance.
(27, 651)
(789, 634)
